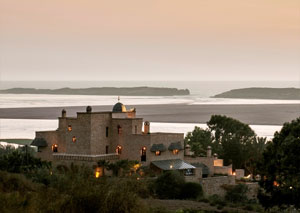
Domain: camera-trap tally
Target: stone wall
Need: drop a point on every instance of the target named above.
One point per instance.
(213, 185)
(225, 170)
(52, 138)
(208, 161)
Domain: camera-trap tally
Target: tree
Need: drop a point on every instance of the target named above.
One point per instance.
(280, 168)
(232, 139)
(199, 140)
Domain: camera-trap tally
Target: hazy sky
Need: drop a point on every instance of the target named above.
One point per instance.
(150, 40)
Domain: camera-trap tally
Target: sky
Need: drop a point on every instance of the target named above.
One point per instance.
(150, 40)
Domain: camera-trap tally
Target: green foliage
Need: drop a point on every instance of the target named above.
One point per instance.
(232, 140)
(216, 200)
(199, 140)
(236, 193)
(16, 161)
(191, 191)
(169, 185)
(280, 168)
(120, 165)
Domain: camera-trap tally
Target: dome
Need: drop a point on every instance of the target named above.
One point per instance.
(119, 107)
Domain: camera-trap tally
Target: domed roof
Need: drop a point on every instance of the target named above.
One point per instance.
(118, 107)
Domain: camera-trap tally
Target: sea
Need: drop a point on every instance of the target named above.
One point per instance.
(201, 93)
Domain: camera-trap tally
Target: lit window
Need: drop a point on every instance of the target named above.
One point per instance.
(175, 152)
(143, 154)
(119, 150)
(74, 139)
(54, 148)
(69, 128)
(157, 153)
(99, 172)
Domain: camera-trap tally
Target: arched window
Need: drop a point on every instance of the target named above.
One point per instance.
(143, 154)
(119, 150)
(69, 128)
(54, 148)
(74, 139)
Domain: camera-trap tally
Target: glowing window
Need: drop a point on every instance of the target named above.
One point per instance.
(143, 154)
(157, 153)
(54, 148)
(74, 139)
(69, 128)
(119, 150)
(175, 152)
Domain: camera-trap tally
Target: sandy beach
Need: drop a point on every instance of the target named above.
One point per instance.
(263, 114)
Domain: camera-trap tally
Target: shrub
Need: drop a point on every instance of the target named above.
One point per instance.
(216, 200)
(169, 185)
(236, 193)
(191, 191)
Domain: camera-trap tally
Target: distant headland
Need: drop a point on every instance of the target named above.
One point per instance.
(262, 93)
(126, 91)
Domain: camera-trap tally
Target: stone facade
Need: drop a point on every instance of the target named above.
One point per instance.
(106, 133)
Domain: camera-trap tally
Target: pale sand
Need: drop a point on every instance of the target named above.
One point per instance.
(262, 114)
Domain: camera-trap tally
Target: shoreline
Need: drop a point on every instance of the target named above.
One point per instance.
(260, 114)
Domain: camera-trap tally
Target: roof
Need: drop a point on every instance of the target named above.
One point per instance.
(158, 147)
(119, 107)
(205, 169)
(176, 145)
(39, 142)
(176, 164)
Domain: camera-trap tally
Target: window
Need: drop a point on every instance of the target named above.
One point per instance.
(54, 148)
(143, 154)
(119, 130)
(135, 129)
(157, 153)
(175, 152)
(119, 150)
(69, 128)
(106, 149)
(74, 139)
(107, 129)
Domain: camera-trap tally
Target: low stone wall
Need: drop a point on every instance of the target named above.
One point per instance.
(213, 185)
(253, 190)
(78, 157)
(225, 170)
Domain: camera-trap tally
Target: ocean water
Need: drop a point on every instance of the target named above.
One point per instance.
(25, 128)
(36, 100)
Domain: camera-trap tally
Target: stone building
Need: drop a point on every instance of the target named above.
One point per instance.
(119, 134)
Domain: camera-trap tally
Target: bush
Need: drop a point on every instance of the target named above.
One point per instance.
(169, 185)
(191, 191)
(216, 200)
(236, 193)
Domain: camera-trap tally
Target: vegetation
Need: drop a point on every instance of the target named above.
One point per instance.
(280, 168)
(128, 91)
(171, 185)
(232, 140)
(262, 93)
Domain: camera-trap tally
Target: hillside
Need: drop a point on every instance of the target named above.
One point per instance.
(126, 91)
(262, 93)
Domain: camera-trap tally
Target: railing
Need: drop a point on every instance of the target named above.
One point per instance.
(82, 157)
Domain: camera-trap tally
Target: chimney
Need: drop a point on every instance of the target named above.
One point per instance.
(208, 152)
(63, 113)
(88, 109)
(147, 127)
